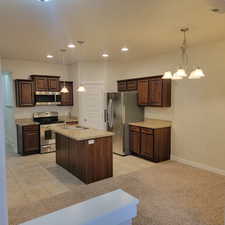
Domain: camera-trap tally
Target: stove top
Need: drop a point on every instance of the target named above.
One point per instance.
(46, 118)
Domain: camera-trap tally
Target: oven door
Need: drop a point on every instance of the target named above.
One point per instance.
(47, 136)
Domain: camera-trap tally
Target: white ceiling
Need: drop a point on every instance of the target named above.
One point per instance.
(30, 29)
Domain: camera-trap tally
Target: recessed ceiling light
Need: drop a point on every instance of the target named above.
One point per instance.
(105, 55)
(44, 0)
(124, 49)
(71, 45)
(49, 56)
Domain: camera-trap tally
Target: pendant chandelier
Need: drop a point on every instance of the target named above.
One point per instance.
(182, 70)
(80, 88)
(64, 89)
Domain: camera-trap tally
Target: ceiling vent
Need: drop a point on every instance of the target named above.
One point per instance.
(217, 6)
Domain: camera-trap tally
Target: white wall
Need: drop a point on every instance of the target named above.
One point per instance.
(3, 206)
(23, 69)
(198, 106)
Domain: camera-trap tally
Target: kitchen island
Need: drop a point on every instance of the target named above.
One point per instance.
(85, 152)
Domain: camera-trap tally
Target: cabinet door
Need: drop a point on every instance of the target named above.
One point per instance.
(155, 92)
(122, 85)
(41, 83)
(135, 142)
(132, 85)
(31, 141)
(147, 145)
(24, 93)
(67, 98)
(53, 84)
(143, 91)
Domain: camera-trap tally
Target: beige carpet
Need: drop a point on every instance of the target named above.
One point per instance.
(170, 194)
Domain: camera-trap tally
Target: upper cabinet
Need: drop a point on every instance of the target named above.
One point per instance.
(127, 85)
(24, 93)
(46, 83)
(152, 91)
(143, 90)
(67, 98)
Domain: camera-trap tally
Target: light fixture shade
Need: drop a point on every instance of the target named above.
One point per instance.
(181, 73)
(177, 77)
(167, 75)
(64, 90)
(196, 74)
(81, 89)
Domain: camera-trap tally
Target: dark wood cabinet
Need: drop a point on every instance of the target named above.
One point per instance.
(46, 83)
(28, 139)
(67, 98)
(151, 144)
(122, 85)
(41, 83)
(53, 84)
(88, 162)
(147, 143)
(143, 92)
(152, 91)
(135, 139)
(127, 85)
(155, 91)
(159, 92)
(24, 93)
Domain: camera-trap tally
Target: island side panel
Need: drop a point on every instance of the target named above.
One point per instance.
(100, 159)
(88, 162)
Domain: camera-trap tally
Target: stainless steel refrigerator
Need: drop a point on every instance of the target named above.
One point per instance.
(122, 109)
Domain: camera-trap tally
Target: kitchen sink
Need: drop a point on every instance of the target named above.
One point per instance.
(75, 128)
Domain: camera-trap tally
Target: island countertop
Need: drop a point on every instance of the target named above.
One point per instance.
(153, 123)
(82, 134)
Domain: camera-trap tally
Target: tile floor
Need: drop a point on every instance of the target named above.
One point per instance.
(37, 177)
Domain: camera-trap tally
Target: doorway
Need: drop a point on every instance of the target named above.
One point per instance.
(9, 113)
(91, 105)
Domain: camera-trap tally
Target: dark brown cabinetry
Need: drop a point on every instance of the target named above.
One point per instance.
(143, 92)
(28, 139)
(152, 144)
(24, 93)
(67, 98)
(135, 139)
(127, 85)
(152, 91)
(53, 84)
(89, 162)
(46, 83)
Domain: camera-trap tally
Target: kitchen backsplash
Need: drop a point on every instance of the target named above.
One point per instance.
(21, 113)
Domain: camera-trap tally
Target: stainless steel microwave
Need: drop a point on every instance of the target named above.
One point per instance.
(47, 98)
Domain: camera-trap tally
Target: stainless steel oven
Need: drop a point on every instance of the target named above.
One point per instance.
(47, 120)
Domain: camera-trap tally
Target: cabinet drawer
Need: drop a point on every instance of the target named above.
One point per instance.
(31, 128)
(146, 130)
(132, 85)
(122, 85)
(134, 128)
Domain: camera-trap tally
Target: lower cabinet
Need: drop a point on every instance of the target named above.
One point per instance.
(28, 139)
(152, 144)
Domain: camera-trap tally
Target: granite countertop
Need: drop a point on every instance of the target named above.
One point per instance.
(26, 122)
(153, 123)
(81, 135)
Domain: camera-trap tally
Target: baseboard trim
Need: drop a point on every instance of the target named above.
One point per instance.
(198, 165)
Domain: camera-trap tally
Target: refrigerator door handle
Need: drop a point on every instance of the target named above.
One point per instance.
(123, 114)
(110, 114)
(105, 116)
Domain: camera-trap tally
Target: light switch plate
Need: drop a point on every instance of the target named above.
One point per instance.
(91, 142)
